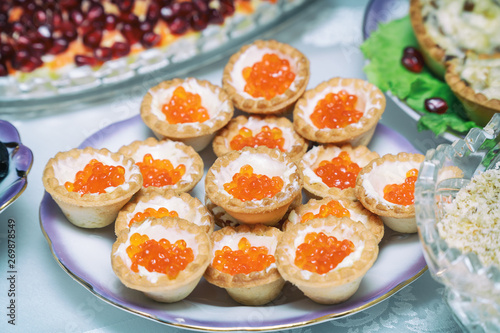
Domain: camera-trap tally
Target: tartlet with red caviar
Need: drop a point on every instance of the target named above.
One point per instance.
(386, 187)
(354, 210)
(190, 111)
(340, 111)
(166, 203)
(327, 279)
(90, 186)
(243, 263)
(165, 164)
(266, 77)
(254, 185)
(331, 171)
(254, 131)
(164, 258)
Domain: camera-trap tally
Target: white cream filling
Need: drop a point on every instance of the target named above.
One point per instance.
(355, 216)
(255, 125)
(341, 233)
(247, 59)
(262, 164)
(483, 75)
(255, 240)
(167, 150)
(66, 170)
(210, 101)
(456, 30)
(173, 204)
(386, 174)
(156, 232)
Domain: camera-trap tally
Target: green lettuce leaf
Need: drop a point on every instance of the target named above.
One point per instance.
(384, 49)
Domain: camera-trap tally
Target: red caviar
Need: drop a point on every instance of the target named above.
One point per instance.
(269, 77)
(185, 107)
(321, 253)
(151, 212)
(96, 177)
(248, 186)
(336, 111)
(159, 173)
(340, 172)
(402, 194)
(246, 259)
(333, 207)
(272, 138)
(159, 256)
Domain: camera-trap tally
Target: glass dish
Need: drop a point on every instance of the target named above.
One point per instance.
(84, 255)
(20, 162)
(38, 94)
(472, 290)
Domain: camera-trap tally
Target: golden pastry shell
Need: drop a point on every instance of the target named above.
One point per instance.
(356, 134)
(193, 271)
(222, 140)
(182, 185)
(311, 160)
(279, 104)
(477, 106)
(182, 131)
(374, 205)
(206, 220)
(373, 223)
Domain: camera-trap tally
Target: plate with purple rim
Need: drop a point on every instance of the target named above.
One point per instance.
(85, 255)
(383, 11)
(15, 160)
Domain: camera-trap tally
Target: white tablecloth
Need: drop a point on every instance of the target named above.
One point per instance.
(49, 300)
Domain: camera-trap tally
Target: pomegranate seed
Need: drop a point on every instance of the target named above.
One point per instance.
(58, 46)
(96, 12)
(167, 14)
(178, 26)
(18, 27)
(199, 21)
(68, 4)
(110, 22)
(129, 18)
(184, 9)
(412, 60)
(120, 49)
(125, 5)
(39, 18)
(153, 13)
(3, 70)
(215, 16)
(93, 38)
(23, 41)
(145, 26)
(69, 31)
(57, 20)
(201, 5)
(31, 64)
(103, 53)
(150, 39)
(131, 33)
(436, 105)
(226, 7)
(83, 60)
(6, 51)
(76, 16)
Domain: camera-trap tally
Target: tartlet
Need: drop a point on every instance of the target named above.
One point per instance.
(369, 107)
(328, 206)
(177, 153)
(314, 184)
(159, 285)
(334, 285)
(166, 203)
(292, 143)
(194, 133)
(91, 209)
(234, 83)
(252, 287)
(264, 162)
(448, 29)
(373, 179)
(475, 80)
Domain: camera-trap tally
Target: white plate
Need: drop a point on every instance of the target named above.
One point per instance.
(85, 255)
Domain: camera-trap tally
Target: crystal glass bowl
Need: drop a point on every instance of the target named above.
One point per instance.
(472, 290)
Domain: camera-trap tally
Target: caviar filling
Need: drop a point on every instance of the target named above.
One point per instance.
(320, 253)
(185, 107)
(245, 260)
(333, 207)
(336, 111)
(340, 172)
(96, 177)
(269, 137)
(402, 194)
(269, 77)
(151, 212)
(246, 185)
(159, 256)
(159, 173)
